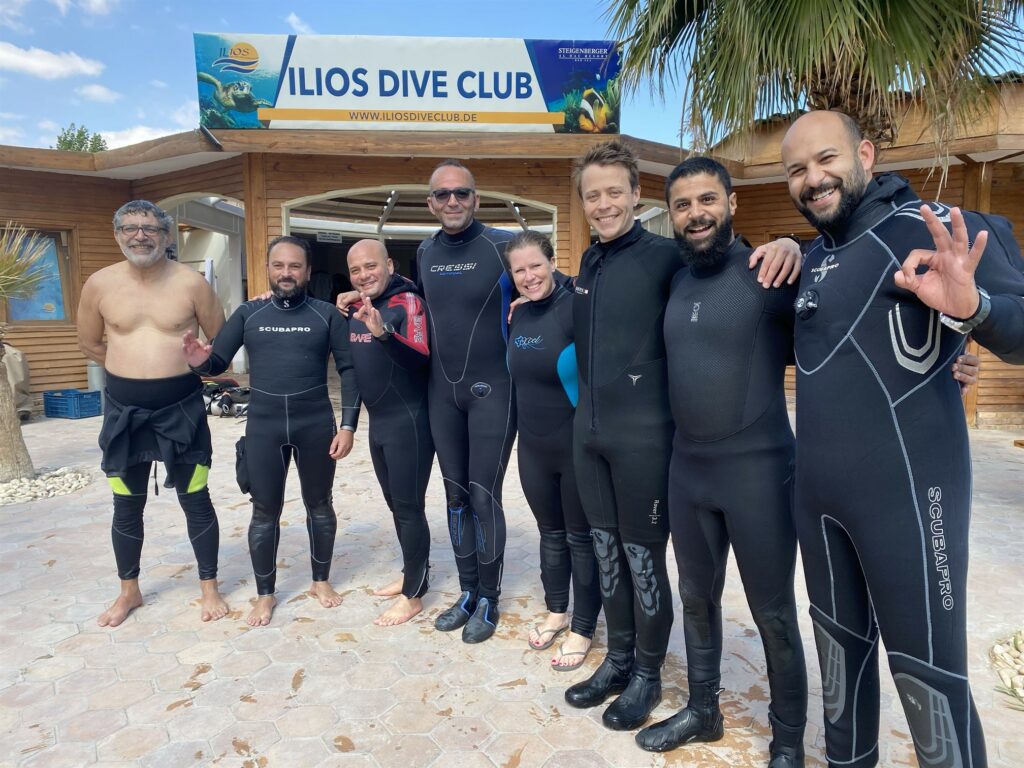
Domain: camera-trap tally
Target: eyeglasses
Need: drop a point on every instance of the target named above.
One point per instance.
(462, 194)
(132, 229)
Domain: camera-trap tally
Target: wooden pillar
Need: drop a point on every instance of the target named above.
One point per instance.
(255, 179)
(977, 197)
(579, 230)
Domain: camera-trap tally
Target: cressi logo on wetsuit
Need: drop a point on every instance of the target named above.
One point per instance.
(472, 409)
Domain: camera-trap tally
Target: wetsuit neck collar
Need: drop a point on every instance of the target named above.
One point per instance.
(469, 233)
(739, 247)
(884, 192)
(600, 249)
(292, 302)
(396, 285)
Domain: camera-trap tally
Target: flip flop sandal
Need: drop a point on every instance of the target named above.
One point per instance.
(550, 641)
(570, 667)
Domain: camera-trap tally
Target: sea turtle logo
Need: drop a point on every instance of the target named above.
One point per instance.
(243, 57)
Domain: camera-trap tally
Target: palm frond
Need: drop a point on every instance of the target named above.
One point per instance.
(21, 262)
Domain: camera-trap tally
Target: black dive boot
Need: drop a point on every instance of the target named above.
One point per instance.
(700, 720)
(634, 706)
(608, 679)
(787, 747)
(483, 622)
(456, 616)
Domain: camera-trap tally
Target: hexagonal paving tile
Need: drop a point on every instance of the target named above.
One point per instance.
(461, 733)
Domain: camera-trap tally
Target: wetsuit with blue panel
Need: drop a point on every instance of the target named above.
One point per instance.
(290, 414)
(471, 403)
(542, 360)
(391, 371)
(883, 474)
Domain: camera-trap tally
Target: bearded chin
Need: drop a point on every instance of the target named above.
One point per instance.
(713, 251)
(143, 261)
(288, 293)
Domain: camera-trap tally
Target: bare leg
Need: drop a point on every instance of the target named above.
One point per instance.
(323, 592)
(392, 589)
(129, 599)
(262, 610)
(399, 613)
(542, 635)
(212, 604)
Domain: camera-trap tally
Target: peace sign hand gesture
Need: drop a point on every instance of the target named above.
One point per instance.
(948, 284)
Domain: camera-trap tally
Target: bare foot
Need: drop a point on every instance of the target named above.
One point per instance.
(392, 589)
(129, 599)
(261, 611)
(572, 653)
(212, 604)
(543, 635)
(399, 613)
(323, 592)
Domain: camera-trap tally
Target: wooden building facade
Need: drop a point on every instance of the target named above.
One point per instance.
(269, 173)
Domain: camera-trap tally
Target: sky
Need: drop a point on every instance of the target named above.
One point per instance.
(126, 68)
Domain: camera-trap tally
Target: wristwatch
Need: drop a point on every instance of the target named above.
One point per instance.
(972, 322)
(389, 331)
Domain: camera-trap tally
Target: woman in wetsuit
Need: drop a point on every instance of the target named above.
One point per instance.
(542, 361)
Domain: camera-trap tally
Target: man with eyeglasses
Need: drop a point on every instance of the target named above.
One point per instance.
(472, 409)
(153, 409)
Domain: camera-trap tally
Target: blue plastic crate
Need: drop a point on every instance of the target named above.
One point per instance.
(71, 403)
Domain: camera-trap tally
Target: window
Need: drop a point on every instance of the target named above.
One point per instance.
(52, 302)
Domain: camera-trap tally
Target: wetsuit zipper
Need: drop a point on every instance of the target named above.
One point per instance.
(590, 343)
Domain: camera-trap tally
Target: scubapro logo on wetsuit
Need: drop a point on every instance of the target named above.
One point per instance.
(938, 537)
(285, 329)
(528, 342)
(821, 272)
(453, 269)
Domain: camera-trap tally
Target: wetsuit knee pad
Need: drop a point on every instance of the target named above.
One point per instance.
(610, 567)
(645, 568)
(940, 713)
(850, 691)
(780, 633)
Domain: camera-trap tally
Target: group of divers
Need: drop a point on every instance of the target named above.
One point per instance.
(648, 397)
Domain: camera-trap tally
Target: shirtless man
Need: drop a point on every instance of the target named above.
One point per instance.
(154, 409)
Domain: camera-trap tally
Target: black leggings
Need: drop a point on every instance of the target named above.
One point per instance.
(720, 495)
(548, 477)
(474, 426)
(126, 531)
(279, 427)
(403, 452)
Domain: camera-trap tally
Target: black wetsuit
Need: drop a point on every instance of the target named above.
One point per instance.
(472, 408)
(147, 420)
(392, 377)
(288, 341)
(728, 341)
(623, 435)
(883, 481)
(542, 359)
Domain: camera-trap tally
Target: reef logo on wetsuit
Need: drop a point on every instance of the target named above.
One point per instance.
(528, 342)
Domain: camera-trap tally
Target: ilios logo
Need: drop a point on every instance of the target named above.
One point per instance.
(242, 57)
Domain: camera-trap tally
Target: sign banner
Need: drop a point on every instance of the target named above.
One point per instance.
(407, 83)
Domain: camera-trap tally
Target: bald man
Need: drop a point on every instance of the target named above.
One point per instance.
(389, 338)
(883, 471)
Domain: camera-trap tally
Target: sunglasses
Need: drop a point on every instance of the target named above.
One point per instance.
(462, 194)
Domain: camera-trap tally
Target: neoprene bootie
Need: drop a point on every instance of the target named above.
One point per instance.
(454, 617)
(611, 677)
(482, 623)
(700, 720)
(787, 747)
(634, 705)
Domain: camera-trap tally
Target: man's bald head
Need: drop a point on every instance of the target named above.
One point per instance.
(828, 165)
(369, 267)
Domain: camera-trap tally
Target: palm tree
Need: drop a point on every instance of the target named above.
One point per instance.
(745, 59)
(20, 276)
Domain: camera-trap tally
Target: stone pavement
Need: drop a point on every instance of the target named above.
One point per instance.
(328, 688)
